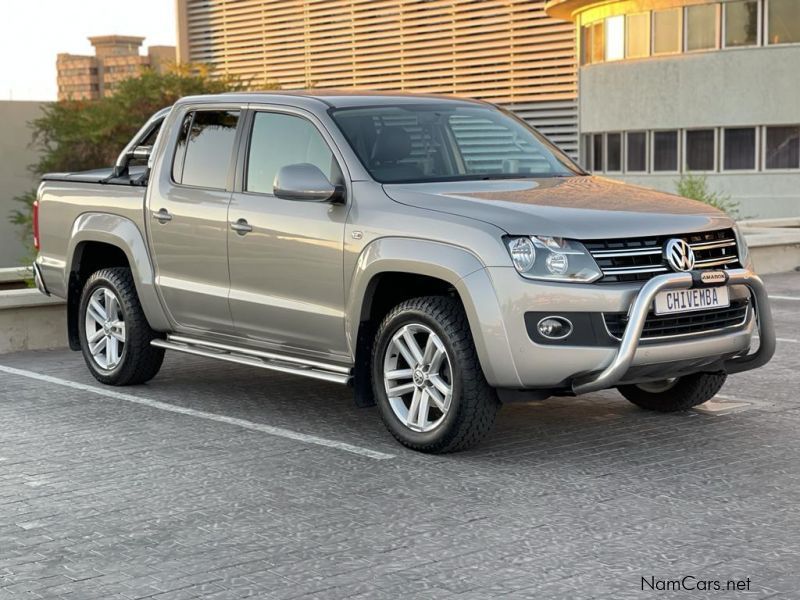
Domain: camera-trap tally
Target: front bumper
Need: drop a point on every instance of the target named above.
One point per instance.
(623, 359)
(497, 299)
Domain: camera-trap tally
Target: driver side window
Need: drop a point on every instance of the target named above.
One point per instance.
(278, 140)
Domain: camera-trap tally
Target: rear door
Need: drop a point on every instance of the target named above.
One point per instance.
(188, 218)
(286, 256)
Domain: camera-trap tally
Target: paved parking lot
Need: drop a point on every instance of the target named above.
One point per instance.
(219, 481)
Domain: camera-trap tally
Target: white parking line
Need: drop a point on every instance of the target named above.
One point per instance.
(792, 298)
(190, 412)
(788, 340)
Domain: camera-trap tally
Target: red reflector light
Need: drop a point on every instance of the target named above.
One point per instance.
(36, 224)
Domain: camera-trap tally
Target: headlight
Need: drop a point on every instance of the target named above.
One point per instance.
(741, 244)
(523, 254)
(552, 258)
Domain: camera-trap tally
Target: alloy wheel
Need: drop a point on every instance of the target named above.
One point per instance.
(105, 328)
(418, 377)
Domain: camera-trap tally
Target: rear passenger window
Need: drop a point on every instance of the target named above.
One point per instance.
(279, 140)
(205, 146)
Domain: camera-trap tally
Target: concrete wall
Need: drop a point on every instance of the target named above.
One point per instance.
(753, 86)
(29, 320)
(760, 195)
(15, 157)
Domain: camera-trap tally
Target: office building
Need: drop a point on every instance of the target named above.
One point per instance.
(116, 58)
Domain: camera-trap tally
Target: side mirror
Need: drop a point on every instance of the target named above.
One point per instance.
(307, 183)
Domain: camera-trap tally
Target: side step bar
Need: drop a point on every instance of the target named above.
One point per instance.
(256, 358)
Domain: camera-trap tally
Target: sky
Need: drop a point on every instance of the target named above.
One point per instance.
(33, 32)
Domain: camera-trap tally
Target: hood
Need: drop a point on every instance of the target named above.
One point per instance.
(581, 207)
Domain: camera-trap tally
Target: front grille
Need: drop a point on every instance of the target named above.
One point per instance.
(699, 322)
(639, 259)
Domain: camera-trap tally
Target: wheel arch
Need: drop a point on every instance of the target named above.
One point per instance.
(100, 240)
(391, 270)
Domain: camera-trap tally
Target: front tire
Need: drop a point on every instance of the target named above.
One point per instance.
(675, 395)
(114, 334)
(428, 383)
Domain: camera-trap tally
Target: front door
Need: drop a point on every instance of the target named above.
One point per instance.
(188, 221)
(286, 256)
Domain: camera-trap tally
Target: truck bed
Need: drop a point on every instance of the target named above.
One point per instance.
(99, 176)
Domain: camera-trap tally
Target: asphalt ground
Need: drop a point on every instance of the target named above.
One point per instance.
(221, 481)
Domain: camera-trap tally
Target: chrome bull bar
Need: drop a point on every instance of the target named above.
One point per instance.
(619, 365)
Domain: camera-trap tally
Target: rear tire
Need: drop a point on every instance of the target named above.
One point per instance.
(455, 406)
(114, 333)
(685, 392)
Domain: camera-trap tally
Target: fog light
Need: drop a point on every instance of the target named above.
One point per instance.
(554, 328)
(557, 263)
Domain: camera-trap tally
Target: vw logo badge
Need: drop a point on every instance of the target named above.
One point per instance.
(679, 255)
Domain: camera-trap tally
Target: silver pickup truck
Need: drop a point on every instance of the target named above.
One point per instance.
(437, 254)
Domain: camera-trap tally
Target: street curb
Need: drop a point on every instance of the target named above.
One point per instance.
(29, 320)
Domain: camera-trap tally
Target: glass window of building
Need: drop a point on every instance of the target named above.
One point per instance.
(586, 45)
(700, 149)
(783, 21)
(615, 38)
(783, 148)
(586, 151)
(741, 23)
(667, 31)
(614, 152)
(637, 35)
(597, 42)
(739, 153)
(665, 151)
(597, 152)
(701, 27)
(637, 152)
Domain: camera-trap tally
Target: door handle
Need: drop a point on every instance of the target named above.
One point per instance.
(162, 216)
(241, 227)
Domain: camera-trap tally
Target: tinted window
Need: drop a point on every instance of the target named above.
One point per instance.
(446, 141)
(784, 21)
(279, 140)
(667, 31)
(665, 151)
(637, 151)
(205, 147)
(586, 45)
(638, 35)
(180, 149)
(586, 151)
(614, 152)
(597, 42)
(701, 27)
(597, 146)
(741, 23)
(783, 147)
(700, 150)
(151, 137)
(740, 148)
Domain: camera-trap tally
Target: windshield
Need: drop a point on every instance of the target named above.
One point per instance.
(407, 143)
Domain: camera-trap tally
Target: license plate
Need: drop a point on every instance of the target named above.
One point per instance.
(679, 301)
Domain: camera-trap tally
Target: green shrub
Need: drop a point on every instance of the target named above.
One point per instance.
(696, 188)
(77, 135)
